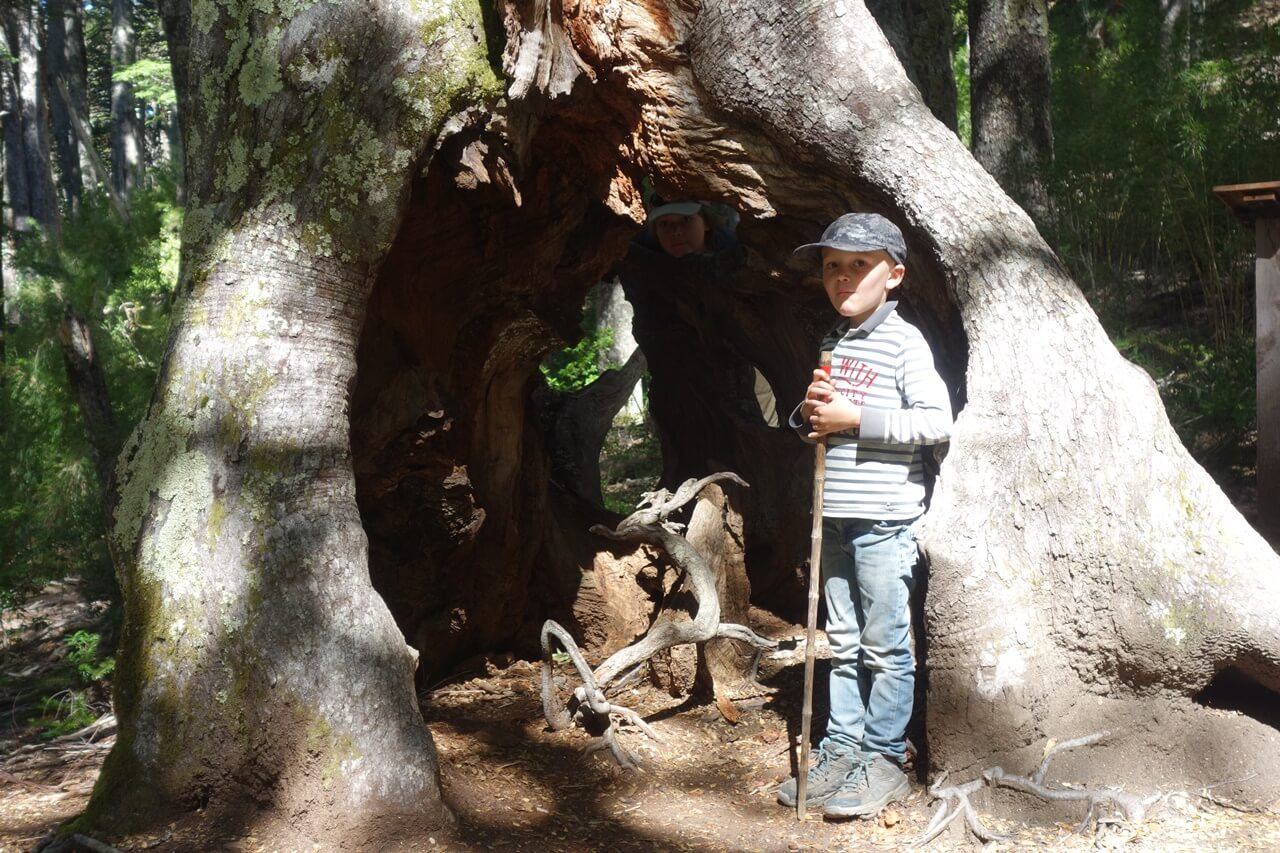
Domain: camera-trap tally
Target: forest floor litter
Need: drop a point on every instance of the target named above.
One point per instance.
(513, 785)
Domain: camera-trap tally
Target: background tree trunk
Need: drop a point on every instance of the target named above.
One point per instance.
(257, 664)
(15, 179)
(1010, 79)
(578, 423)
(126, 128)
(84, 374)
(27, 170)
(176, 18)
(920, 32)
(66, 62)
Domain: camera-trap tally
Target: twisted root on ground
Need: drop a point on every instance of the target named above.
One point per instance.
(954, 800)
(588, 707)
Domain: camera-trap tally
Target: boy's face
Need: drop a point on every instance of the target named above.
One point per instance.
(681, 235)
(857, 283)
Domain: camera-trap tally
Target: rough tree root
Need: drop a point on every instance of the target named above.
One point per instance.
(954, 800)
(588, 707)
(73, 844)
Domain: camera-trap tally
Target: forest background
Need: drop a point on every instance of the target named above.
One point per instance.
(1149, 110)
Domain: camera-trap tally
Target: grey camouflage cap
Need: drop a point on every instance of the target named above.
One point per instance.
(854, 232)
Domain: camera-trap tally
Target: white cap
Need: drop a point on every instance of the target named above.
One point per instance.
(675, 208)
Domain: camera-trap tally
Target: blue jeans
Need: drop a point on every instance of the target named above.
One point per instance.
(867, 580)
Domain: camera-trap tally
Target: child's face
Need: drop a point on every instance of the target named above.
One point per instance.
(857, 283)
(681, 235)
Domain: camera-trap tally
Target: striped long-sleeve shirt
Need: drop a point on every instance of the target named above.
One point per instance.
(885, 366)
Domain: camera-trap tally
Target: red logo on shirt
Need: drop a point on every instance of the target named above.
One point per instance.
(852, 378)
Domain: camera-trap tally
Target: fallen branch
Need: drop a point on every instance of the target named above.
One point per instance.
(30, 786)
(954, 800)
(103, 726)
(588, 706)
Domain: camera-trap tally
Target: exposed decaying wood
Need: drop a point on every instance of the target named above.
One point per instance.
(589, 708)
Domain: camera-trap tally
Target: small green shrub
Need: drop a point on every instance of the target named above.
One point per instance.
(83, 653)
(576, 367)
(65, 712)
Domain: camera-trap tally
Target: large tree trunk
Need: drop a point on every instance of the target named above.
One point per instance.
(126, 128)
(257, 664)
(1122, 579)
(66, 62)
(1010, 79)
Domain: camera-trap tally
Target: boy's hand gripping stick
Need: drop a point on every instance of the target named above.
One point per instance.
(811, 626)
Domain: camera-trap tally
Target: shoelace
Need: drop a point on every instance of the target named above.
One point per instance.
(859, 771)
(825, 757)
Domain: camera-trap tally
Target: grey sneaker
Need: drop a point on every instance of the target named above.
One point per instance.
(884, 783)
(828, 775)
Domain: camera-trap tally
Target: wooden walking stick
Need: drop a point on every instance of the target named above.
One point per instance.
(811, 626)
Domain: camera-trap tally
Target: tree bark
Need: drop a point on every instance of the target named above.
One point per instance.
(66, 62)
(18, 197)
(126, 128)
(257, 665)
(1010, 79)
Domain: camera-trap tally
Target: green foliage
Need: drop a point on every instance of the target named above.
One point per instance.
(578, 366)
(152, 81)
(71, 708)
(1146, 122)
(82, 652)
(1209, 390)
(120, 277)
(960, 67)
(65, 712)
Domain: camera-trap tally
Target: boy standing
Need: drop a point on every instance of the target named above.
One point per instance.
(882, 402)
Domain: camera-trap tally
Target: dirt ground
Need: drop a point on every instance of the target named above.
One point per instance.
(513, 785)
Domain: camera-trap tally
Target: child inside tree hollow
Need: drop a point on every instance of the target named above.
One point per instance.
(882, 402)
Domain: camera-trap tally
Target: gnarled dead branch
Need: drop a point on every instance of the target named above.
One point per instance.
(954, 800)
(588, 706)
